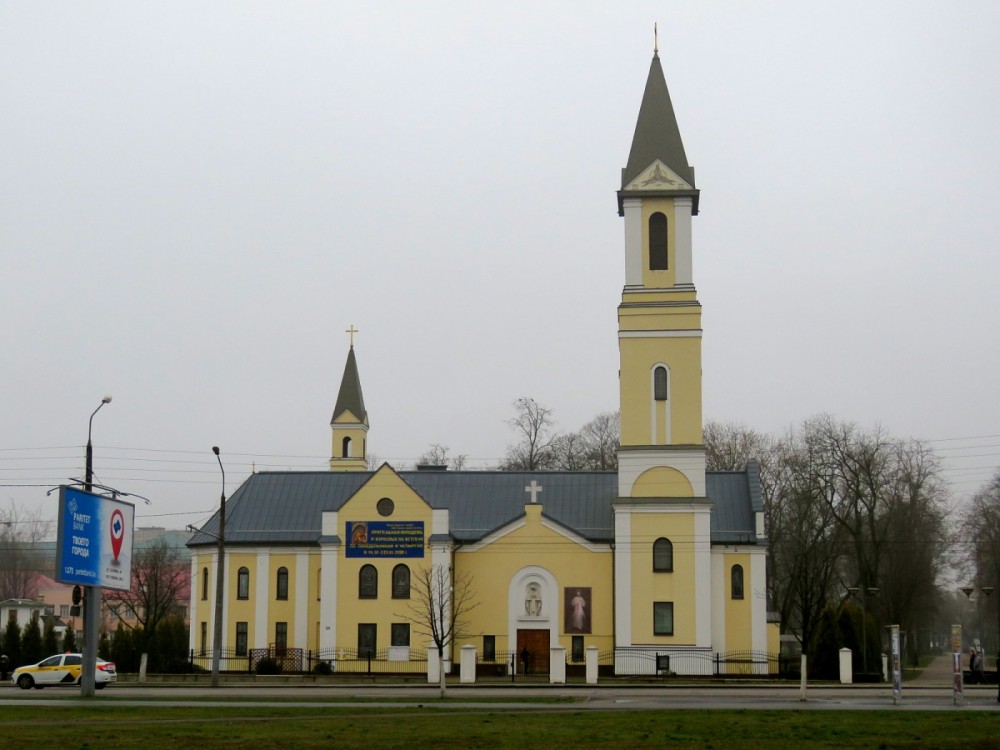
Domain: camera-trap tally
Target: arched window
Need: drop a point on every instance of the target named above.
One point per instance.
(401, 582)
(660, 383)
(657, 242)
(243, 584)
(345, 449)
(282, 584)
(663, 555)
(204, 583)
(368, 582)
(737, 582)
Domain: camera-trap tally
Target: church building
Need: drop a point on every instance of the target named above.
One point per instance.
(659, 558)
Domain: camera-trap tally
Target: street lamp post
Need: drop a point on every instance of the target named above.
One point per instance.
(220, 577)
(92, 594)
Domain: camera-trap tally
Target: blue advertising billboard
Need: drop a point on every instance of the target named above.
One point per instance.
(94, 540)
(385, 538)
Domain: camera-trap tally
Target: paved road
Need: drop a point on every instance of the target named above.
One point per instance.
(931, 690)
(600, 698)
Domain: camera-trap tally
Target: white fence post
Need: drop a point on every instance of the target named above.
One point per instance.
(468, 664)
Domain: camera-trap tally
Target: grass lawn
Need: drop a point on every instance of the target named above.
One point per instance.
(154, 727)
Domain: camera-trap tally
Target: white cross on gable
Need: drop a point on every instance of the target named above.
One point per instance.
(534, 488)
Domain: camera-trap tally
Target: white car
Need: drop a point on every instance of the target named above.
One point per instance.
(61, 669)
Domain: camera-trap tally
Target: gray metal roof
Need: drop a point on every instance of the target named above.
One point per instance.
(733, 517)
(287, 507)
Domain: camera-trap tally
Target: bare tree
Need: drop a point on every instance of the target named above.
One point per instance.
(602, 436)
(804, 542)
(730, 446)
(569, 452)
(980, 545)
(159, 581)
(439, 609)
(21, 531)
(437, 455)
(533, 424)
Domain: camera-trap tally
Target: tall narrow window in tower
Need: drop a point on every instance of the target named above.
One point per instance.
(658, 242)
(737, 582)
(346, 448)
(663, 555)
(660, 383)
(204, 583)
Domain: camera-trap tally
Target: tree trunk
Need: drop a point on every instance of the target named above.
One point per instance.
(441, 673)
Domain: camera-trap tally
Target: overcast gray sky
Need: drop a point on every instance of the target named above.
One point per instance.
(196, 199)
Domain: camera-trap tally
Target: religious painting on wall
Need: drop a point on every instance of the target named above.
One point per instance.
(577, 609)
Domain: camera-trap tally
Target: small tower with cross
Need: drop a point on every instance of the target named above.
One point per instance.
(350, 418)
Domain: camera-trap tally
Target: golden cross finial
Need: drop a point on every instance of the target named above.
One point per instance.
(351, 331)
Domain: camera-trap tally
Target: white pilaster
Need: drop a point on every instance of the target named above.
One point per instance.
(758, 598)
(261, 631)
(329, 556)
(682, 237)
(623, 578)
(703, 576)
(633, 241)
(301, 589)
(719, 602)
(196, 581)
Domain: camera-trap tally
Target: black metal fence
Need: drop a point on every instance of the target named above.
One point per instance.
(368, 661)
(229, 661)
(504, 666)
(624, 662)
(273, 660)
(507, 666)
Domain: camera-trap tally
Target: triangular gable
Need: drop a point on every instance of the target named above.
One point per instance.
(658, 176)
(546, 521)
(347, 417)
(384, 480)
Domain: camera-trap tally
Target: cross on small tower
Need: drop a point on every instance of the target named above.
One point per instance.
(351, 331)
(534, 488)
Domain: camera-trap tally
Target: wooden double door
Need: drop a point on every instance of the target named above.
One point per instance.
(533, 651)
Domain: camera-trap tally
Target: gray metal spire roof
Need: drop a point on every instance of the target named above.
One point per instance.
(657, 136)
(350, 397)
(287, 507)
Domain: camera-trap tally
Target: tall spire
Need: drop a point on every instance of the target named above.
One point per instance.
(350, 398)
(657, 138)
(350, 419)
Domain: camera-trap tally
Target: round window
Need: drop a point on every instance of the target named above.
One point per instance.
(385, 506)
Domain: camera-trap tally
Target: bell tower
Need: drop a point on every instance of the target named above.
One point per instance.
(659, 319)
(350, 419)
(663, 575)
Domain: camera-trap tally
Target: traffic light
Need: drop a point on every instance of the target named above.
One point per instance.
(77, 598)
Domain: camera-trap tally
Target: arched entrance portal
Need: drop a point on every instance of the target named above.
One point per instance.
(533, 616)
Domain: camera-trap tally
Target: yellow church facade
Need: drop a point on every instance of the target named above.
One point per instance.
(657, 559)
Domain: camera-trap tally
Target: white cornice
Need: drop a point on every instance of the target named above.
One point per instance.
(689, 333)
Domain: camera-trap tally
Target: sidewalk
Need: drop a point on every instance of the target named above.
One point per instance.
(936, 674)
(939, 674)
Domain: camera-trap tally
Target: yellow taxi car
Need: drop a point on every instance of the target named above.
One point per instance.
(62, 669)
